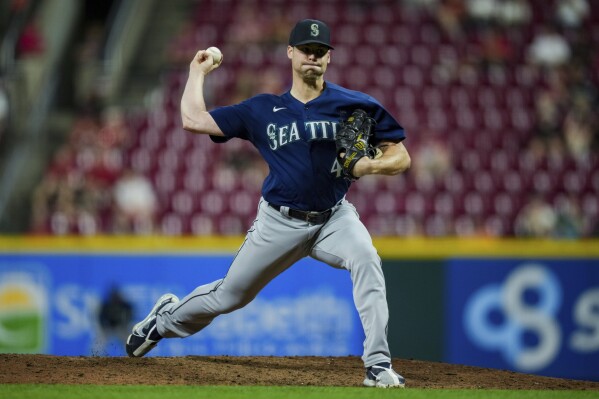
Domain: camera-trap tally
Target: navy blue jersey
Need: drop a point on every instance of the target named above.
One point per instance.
(297, 141)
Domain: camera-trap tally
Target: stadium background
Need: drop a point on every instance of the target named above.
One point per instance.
(502, 197)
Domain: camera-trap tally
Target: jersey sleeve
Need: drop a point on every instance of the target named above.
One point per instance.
(231, 120)
(387, 127)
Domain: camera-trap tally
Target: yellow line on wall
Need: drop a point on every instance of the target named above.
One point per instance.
(436, 248)
(120, 244)
(388, 247)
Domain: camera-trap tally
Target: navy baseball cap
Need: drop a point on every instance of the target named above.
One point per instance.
(310, 31)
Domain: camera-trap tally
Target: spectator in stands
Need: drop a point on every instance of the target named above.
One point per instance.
(580, 85)
(536, 219)
(513, 13)
(84, 132)
(579, 128)
(483, 14)
(76, 194)
(450, 15)
(548, 115)
(428, 5)
(496, 49)
(472, 226)
(30, 53)
(556, 150)
(572, 13)
(43, 199)
(569, 219)
(480, 13)
(66, 204)
(583, 51)
(432, 161)
(536, 151)
(135, 204)
(63, 215)
(549, 48)
(54, 191)
(92, 201)
(114, 132)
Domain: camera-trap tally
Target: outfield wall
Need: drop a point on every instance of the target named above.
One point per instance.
(529, 306)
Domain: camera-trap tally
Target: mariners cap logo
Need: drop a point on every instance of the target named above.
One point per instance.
(314, 31)
(310, 31)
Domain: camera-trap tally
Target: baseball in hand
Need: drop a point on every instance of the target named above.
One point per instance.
(217, 56)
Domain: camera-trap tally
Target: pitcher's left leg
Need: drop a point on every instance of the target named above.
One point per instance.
(345, 243)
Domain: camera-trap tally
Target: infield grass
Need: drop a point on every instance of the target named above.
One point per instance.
(46, 391)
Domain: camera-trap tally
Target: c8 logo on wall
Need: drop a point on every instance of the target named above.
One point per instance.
(518, 317)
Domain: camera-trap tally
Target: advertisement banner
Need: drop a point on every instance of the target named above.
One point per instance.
(49, 303)
(531, 316)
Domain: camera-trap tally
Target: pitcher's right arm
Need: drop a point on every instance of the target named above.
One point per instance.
(194, 116)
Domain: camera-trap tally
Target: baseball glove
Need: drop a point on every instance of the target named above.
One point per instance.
(352, 141)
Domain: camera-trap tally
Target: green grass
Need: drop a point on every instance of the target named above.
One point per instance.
(45, 391)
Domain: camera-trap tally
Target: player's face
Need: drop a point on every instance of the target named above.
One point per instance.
(309, 60)
(313, 49)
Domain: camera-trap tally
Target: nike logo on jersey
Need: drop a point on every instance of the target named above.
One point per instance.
(275, 109)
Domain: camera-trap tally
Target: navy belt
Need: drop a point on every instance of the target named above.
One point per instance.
(311, 217)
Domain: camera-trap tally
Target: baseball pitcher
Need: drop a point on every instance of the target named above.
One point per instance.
(317, 139)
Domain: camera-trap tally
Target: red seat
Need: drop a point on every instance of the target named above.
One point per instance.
(184, 203)
(202, 224)
(231, 225)
(444, 204)
(574, 182)
(476, 204)
(484, 182)
(142, 160)
(391, 55)
(359, 78)
(437, 225)
(385, 203)
(590, 205)
(506, 205)
(496, 226)
(381, 225)
(169, 159)
(385, 77)
(165, 181)
(242, 203)
(173, 225)
(212, 203)
(225, 180)
(418, 204)
(375, 35)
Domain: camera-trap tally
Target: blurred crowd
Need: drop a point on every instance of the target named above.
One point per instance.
(87, 190)
(91, 186)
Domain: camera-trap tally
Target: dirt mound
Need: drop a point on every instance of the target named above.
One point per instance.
(225, 370)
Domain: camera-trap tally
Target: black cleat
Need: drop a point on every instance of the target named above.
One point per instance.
(144, 335)
(382, 375)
